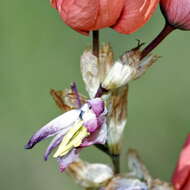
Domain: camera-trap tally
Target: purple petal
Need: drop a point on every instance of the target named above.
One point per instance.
(65, 161)
(92, 125)
(97, 105)
(64, 121)
(98, 137)
(54, 143)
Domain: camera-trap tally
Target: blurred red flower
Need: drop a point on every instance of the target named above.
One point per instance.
(181, 176)
(124, 16)
(177, 13)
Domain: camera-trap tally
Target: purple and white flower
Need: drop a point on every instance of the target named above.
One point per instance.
(74, 130)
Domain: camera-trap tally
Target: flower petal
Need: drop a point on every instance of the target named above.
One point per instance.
(97, 105)
(54, 143)
(79, 14)
(98, 137)
(65, 161)
(108, 13)
(64, 121)
(181, 174)
(135, 14)
(91, 125)
(177, 13)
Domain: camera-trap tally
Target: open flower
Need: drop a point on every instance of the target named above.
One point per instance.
(124, 16)
(181, 176)
(73, 130)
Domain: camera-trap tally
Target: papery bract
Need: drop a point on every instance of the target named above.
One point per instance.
(177, 12)
(124, 16)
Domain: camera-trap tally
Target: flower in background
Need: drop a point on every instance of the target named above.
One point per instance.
(177, 13)
(124, 16)
(73, 130)
(181, 176)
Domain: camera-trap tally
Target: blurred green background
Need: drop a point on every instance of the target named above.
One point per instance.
(38, 52)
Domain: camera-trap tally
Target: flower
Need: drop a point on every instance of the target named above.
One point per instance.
(73, 130)
(181, 175)
(177, 13)
(125, 16)
(129, 67)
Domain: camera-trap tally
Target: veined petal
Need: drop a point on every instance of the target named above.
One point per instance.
(65, 161)
(109, 12)
(135, 14)
(64, 121)
(79, 14)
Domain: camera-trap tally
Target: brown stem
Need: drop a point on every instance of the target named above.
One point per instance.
(163, 34)
(95, 43)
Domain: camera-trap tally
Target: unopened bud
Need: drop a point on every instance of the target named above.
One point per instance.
(90, 175)
(176, 13)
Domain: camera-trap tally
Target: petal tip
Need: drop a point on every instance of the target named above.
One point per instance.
(28, 146)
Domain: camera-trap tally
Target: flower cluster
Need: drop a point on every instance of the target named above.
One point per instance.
(100, 119)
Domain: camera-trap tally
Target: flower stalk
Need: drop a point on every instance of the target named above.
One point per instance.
(161, 36)
(95, 43)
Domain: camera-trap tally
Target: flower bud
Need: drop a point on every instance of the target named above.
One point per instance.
(176, 13)
(90, 175)
(129, 67)
(125, 16)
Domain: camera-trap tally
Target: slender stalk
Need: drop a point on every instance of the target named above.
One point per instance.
(163, 34)
(116, 163)
(95, 43)
(115, 158)
(103, 148)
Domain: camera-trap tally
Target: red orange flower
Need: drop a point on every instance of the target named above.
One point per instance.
(181, 176)
(125, 16)
(177, 13)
